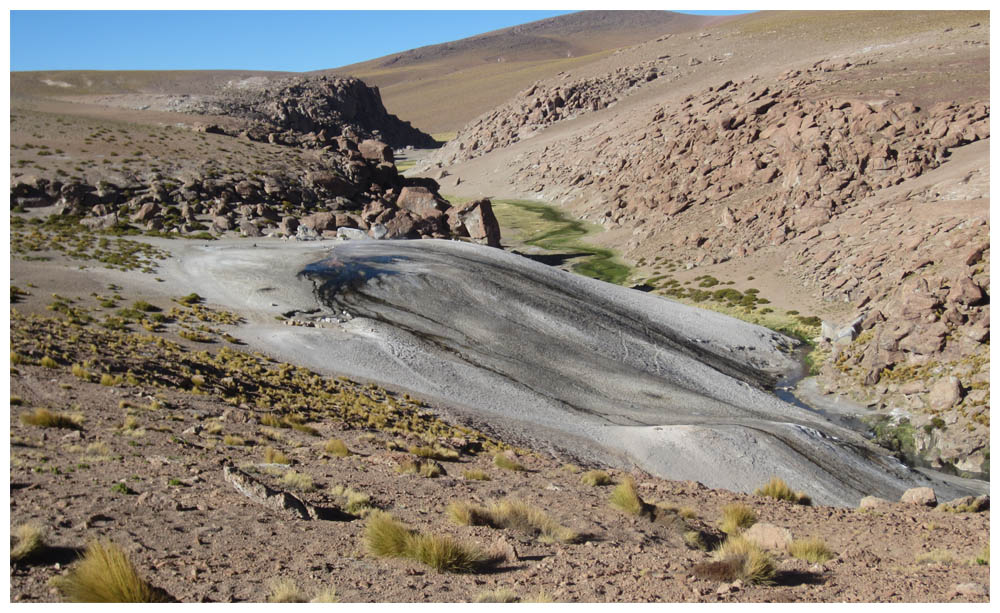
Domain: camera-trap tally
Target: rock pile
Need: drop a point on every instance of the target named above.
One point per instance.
(543, 104)
(313, 111)
(354, 187)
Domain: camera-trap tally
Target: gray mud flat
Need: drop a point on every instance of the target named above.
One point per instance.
(557, 359)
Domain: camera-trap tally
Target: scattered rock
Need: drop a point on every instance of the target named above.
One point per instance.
(919, 495)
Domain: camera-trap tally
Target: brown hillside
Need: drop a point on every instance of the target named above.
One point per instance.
(441, 87)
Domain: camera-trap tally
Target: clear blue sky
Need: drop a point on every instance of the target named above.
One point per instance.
(250, 40)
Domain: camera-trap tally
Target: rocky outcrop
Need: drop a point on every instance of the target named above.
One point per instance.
(313, 111)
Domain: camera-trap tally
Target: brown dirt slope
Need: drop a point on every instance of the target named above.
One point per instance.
(441, 87)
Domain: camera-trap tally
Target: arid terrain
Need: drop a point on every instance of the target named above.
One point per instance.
(245, 433)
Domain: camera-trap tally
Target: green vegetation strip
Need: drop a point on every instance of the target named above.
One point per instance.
(545, 226)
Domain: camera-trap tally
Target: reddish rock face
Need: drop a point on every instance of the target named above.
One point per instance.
(421, 202)
(376, 150)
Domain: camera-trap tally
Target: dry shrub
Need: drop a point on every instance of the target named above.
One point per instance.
(105, 574)
(595, 478)
(387, 537)
(754, 564)
(515, 515)
(475, 475)
(499, 595)
(507, 463)
(45, 418)
(297, 481)
(273, 456)
(337, 447)
(285, 591)
(30, 541)
(812, 550)
(625, 497)
(736, 518)
(776, 488)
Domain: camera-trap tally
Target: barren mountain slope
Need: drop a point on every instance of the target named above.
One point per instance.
(744, 160)
(441, 87)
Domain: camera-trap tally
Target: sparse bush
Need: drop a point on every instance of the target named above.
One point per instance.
(751, 563)
(297, 481)
(29, 542)
(812, 550)
(285, 591)
(499, 595)
(595, 478)
(776, 488)
(105, 574)
(936, 556)
(337, 447)
(44, 418)
(475, 475)
(387, 537)
(736, 518)
(273, 456)
(625, 498)
(515, 515)
(503, 461)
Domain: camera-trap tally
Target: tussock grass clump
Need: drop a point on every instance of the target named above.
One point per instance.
(44, 418)
(812, 550)
(358, 503)
(476, 475)
(80, 372)
(337, 447)
(499, 595)
(46, 362)
(327, 595)
(936, 556)
(746, 560)
(273, 456)
(695, 540)
(285, 591)
(507, 463)
(777, 488)
(515, 515)
(387, 537)
(595, 478)
(297, 481)
(268, 419)
(233, 440)
(29, 542)
(682, 512)
(105, 574)
(736, 518)
(428, 468)
(434, 453)
(625, 498)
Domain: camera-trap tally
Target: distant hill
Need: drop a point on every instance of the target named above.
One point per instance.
(440, 88)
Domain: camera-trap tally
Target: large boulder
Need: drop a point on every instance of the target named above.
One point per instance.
(376, 151)
(477, 221)
(923, 496)
(945, 394)
(320, 222)
(421, 202)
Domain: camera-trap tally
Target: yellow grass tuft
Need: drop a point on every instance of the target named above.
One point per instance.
(812, 550)
(285, 591)
(625, 497)
(297, 481)
(751, 563)
(476, 475)
(105, 574)
(387, 537)
(507, 463)
(47, 362)
(327, 595)
(337, 447)
(513, 514)
(273, 456)
(595, 478)
(736, 518)
(30, 541)
(776, 488)
(499, 595)
(45, 418)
